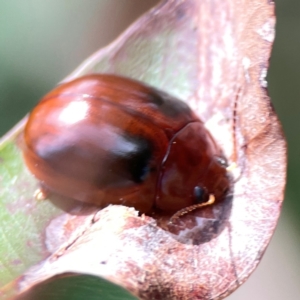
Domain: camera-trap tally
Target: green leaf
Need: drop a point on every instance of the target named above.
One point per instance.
(77, 287)
(23, 220)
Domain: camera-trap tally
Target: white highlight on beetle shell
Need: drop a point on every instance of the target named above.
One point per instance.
(75, 111)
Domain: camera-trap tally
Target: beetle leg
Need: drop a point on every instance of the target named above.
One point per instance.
(186, 210)
(40, 194)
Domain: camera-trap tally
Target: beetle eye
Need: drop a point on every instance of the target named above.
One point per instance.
(222, 161)
(200, 194)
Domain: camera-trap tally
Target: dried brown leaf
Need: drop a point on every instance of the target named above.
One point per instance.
(221, 50)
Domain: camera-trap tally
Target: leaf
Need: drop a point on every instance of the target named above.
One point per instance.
(70, 286)
(213, 55)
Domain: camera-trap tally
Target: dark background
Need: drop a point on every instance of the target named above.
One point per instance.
(41, 42)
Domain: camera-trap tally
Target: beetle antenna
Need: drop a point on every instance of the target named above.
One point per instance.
(186, 210)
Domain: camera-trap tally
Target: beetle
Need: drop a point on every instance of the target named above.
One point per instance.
(106, 139)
